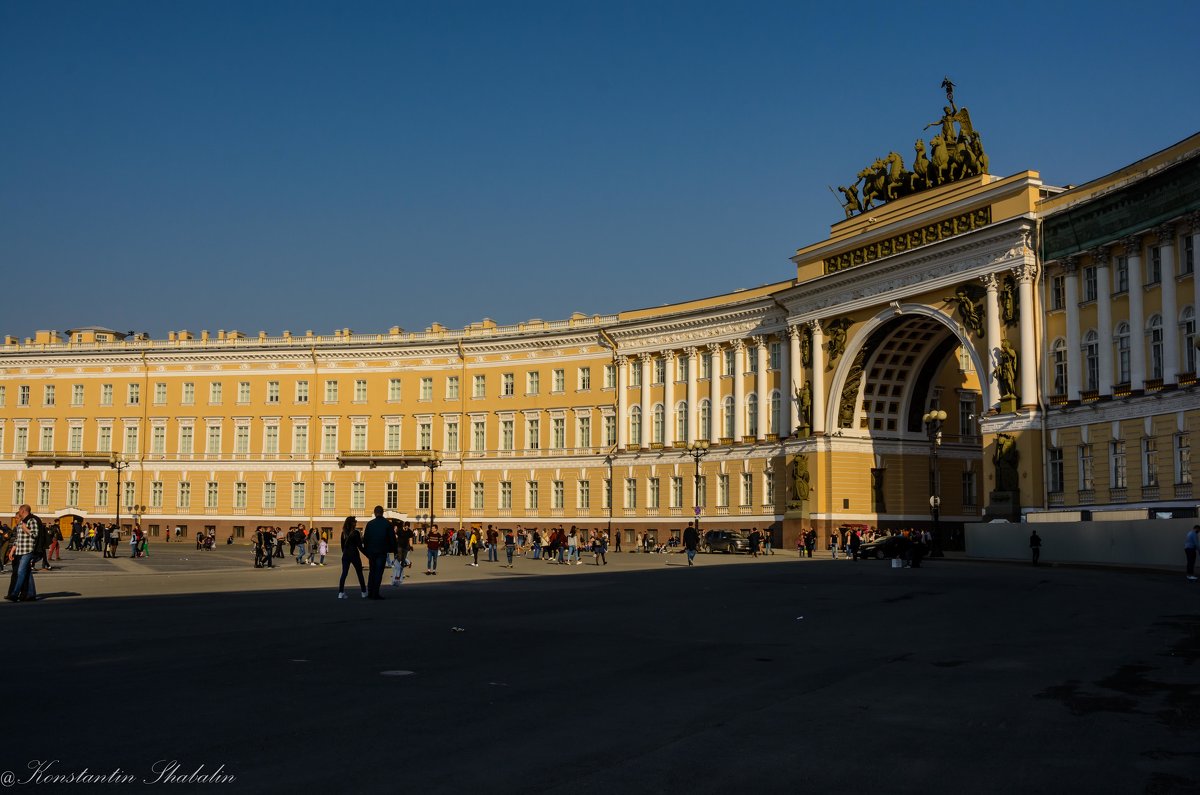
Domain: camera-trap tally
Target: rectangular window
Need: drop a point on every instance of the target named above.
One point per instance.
(966, 417)
(775, 355)
(608, 494)
(358, 437)
(702, 497)
(478, 436)
(585, 378)
(210, 494)
(243, 396)
(583, 432)
(631, 492)
(272, 391)
(450, 496)
(479, 386)
(660, 370)
(557, 495)
(131, 440)
(477, 495)
(213, 444)
(18, 492)
(1057, 292)
(1189, 258)
(610, 376)
(723, 491)
(610, 430)
(1154, 271)
(331, 391)
(43, 492)
(214, 393)
(299, 495)
(328, 494)
(747, 488)
(1089, 283)
(133, 394)
(533, 434)
(451, 436)
(1122, 275)
(183, 494)
(1056, 470)
(425, 435)
(75, 439)
(533, 382)
(584, 494)
(72, 493)
(505, 495)
(653, 495)
(558, 433)
(129, 488)
(452, 388)
(269, 496)
(300, 440)
(1183, 458)
(48, 394)
(752, 360)
(240, 493)
(47, 441)
(426, 388)
(77, 394)
(3, 395)
(559, 381)
(531, 495)
(1087, 481)
(329, 436)
(156, 494)
(358, 496)
(681, 368)
(106, 395)
(1149, 461)
(102, 494)
(392, 436)
(241, 439)
(360, 390)
(391, 496)
(635, 373)
(393, 390)
(1117, 464)
(185, 438)
(188, 396)
(506, 434)
(271, 440)
(706, 365)
(970, 496)
(423, 496)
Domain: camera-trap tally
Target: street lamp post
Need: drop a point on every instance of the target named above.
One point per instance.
(697, 450)
(120, 465)
(432, 462)
(933, 426)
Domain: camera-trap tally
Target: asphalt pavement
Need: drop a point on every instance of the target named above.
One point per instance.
(743, 675)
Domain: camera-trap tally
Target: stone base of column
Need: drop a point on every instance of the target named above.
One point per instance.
(1003, 505)
(795, 524)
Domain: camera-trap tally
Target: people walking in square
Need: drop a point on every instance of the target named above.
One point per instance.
(1190, 542)
(493, 536)
(378, 541)
(1035, 546)
(23, 551)
(473, 545)
(433, 544)
(510, 545)
(691, 540)
(351, 556)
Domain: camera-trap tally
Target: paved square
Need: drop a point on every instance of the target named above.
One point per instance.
(745, 675)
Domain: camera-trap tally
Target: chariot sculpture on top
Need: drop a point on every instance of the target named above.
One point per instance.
(955, 153)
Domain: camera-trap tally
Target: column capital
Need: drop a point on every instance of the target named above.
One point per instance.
(645, 357)
(670, 354)
(1133, 246)
(1166, 235)
(1025, 272)
(1193, 221)
(714, 348)
(621, 360)
(1100, 256)
(990, 282)
(691, 352)
(739, 344)
(794, 332)
(814, 326)
(758, 341)
(1070, 265)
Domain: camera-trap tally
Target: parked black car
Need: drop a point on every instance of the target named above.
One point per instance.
(885, 547)
(726, 541)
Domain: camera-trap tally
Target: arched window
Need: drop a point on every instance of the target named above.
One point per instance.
(776, 424)
(1187, 324)
(705, 429)
(1154, 331)
(752, 415)
(1058, 354)
(1091, 361)
(1122, 339)
(681, 417)
(659, 424)
(728, 412)
(635, 425)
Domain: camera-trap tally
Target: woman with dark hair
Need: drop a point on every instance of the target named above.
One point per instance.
(351, 556)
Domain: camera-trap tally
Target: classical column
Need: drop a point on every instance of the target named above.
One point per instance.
(818, 378)
(693, 397)
(1137, 319)
(992, 312)
(793, 380)
(739, 391)
(622, 363)
(647, 361)
(715, 428)
(1104, 324)
(1170, 309)
(1028, 357)
(1074, 354)
(762, 387)
(669, 398)
(1195, 220)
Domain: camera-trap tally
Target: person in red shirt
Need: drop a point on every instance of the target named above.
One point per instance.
(433, 541)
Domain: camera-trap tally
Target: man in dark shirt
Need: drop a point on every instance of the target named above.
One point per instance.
(433, 542)
(378, 541)
(691, 539)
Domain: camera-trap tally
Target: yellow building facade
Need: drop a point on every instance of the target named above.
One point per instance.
(916, 366)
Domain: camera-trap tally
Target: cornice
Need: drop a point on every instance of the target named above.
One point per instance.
(1131, 408)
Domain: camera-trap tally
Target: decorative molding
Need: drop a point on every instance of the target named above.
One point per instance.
(905, 241)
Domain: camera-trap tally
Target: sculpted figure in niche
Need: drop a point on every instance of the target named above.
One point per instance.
(1006, 370)
(801, 487)
(836, 329)
(804, 401)
(1006, 460)
(968, 309)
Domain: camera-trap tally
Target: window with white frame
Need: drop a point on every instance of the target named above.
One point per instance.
(478, 436)
(426, 388)
(18, 492)
(583, 431)
(659, 424)
(728, 411)
(1121, 338)
(531, 495)
(608, 494)
(452, 387)
(635, 372)
(331, 391)
(102, 494)
(1117, 464)
(704, 430)
(393, 390)
(1091, 361)
(723, 491)
(450, 495)
(451, 436)
(215, 389)
(106, 394)
(360, 390)
(300, 440)
(1087, 481)
(271, 439)
(557, 495)
(392, 435)
(610, 430)
(653, 497)
(1121, 275)
(48, 394)
(1089, 283)
(676, 492)
(729, 362)
(391, 496)
(243, 395)
(506, 434)
(241, 438)
(635, 425)
(1183, 458)
(44, 491)
(358, 436)
(585, 379)
(133, 394)
(328, 495)
(660, 370)
(1154, 334)
(72, 493)
(301, 391)
(752, 415)
(1154, 269)
(129, 488)
(558, 380)
(240, 493)
(77, 394)
(1055, 479)
(507, 385)
(681, 415)
(272, 391)
(558, 433)
(1149, 461)
(75, 438)
(610, 376)
(1057, 292)
(210, 494)
(268, 496)
(1058, 355)
(533, 433)
(212, 445)
(775, 355)
(425, 435)
(533, 382)
(747, 488)
(479, 386)
(706, 365)
(183, 494)
(1187, 327)
(299, 495)
(505, 495)
(358, 496)
(156, 494)
(583, 492)
(186, 439)
(47, 439)
(477, 495)
(631, 491)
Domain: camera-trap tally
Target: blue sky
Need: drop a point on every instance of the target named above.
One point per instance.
(304, 165)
